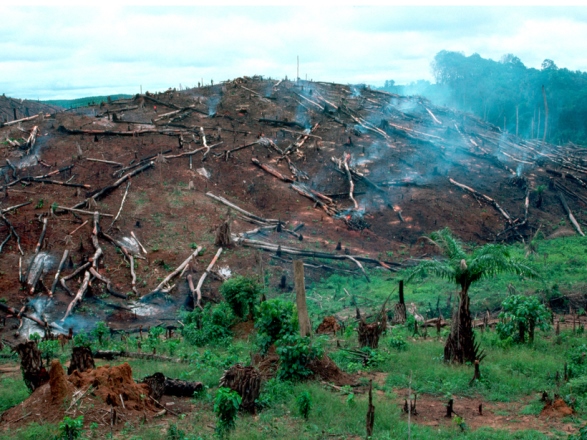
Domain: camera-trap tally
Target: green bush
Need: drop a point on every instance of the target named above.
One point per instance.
(295, 353)
(577, 361)
(208, 326)
(241, 293)
(100, 331)
(226, 407)
(398, 343)
(48, 349)
(275, 319)
(520, 316)
(81, 340)
(304, 404)
(71, 428)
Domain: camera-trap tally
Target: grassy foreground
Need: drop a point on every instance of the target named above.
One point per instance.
(513, 375)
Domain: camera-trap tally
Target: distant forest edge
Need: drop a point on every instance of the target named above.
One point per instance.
(84, 102)
(508, 94)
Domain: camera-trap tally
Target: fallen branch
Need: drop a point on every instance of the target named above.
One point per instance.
(121, 205)
(570, 214)
(107, 190)
(171, 275)
(242, 211)
(18, 121)
(78, 296)
(483, 197)
(109, 162)
(271, 171)
(108, 283)
(13, 231)
(59, 269)
(110, 354)
(81, 211)
(198, 290)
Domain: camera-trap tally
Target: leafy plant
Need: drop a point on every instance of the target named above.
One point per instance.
(48, 349)
(275, 319)
(304, 404)
(226, 407)
(81, 340)
(208, 326)
(465, 269)
(521, 315)
(295, 353)
(398, 343)
(241, 293)
(70, 429)
(100, 330)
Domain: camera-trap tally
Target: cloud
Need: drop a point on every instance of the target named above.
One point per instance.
(69, 52)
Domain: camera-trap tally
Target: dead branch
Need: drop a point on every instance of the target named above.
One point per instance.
(121, 205)
(42, 236)
(59, 269)
(242, 211)
(271, 171)
(198, 290)
(483, 197)
(78, 296)
(354, 260)
(139, 243)
(13, 231)
(108, 283)
(345, 162)
(18, 121)
(107, 190)
(109, 355)
(15, 207)
(109, 162)
(569, 213)
(81, 211)
(169, 277)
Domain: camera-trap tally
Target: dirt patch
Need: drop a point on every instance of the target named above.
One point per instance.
(325, 369)
(242, 330)
(102, 395)
(558, 408)
(328, 325)
(431, 411)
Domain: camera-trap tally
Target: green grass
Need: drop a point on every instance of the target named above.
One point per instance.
(513, 374)
(83, 102)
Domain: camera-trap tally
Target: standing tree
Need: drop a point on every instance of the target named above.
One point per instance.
(465, 269)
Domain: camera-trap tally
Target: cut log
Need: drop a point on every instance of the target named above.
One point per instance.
(79, 296)
(110, 354)
(271, 171)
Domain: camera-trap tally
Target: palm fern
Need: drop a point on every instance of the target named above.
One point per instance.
(465, 269)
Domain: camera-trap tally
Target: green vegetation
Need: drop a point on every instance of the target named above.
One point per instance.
(226, 407)
(521, 315)
(241, 293)
(464, 269)
(70, 429)
(513, 375)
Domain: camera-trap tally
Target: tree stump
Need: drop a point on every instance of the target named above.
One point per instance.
(246, 381)
(31, 365)
(156, 384)
(81, 360)
(223, 235)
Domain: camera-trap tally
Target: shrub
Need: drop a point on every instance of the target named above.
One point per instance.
(208, 326)
(578, 361)
(275, 319)
(71, 428)
(295, 353)
(521, 315)
(100, 331)
(226, 407)
(241, 293)
(304, 404)
(48, 349)
(81, 340)
(398, 343)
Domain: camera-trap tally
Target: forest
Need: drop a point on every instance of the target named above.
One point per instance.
(549, 103)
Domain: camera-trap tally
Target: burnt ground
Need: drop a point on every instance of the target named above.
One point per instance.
(403, 151)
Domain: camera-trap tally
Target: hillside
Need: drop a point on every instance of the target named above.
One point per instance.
(279, 150)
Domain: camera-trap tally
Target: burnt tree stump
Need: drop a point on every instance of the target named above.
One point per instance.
(81, 360)
(34, 373)
(246, 381)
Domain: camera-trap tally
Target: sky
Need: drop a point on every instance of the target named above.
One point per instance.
(70, 51)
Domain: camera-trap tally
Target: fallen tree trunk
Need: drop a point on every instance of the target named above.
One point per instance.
(79, 296)
(483, 197)
(570, 214)
(271, 171)
(111, 354)
(18, 121)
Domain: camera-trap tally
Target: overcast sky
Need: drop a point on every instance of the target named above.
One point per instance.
(70, 52)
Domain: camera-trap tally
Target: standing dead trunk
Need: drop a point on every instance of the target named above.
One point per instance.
(304, 319)
(31, 365)
(399, 316)
(460, 345)
(370, 412)
(81, 360)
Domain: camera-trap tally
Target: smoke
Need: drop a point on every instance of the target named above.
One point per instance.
(213, 102)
